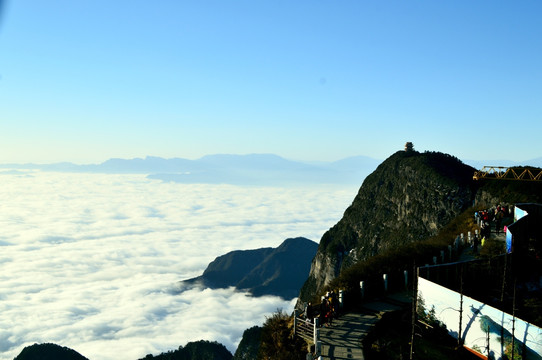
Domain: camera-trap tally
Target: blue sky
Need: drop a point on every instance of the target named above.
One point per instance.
(84, 81)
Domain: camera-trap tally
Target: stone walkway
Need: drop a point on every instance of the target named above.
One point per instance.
(468, 253)
(343, 340)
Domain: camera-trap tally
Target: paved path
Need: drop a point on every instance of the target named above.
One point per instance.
(468, 253)
(343, 340)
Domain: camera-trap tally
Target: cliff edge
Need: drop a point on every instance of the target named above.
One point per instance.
(408, 198)
(277, 271)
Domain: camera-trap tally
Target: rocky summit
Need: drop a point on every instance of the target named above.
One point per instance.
(408, 198)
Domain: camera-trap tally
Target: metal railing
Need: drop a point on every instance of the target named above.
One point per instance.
(306, 329)
(508, 173)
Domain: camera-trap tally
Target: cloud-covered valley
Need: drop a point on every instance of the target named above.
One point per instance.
(92, 261)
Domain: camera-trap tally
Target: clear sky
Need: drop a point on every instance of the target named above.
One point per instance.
(87, 80)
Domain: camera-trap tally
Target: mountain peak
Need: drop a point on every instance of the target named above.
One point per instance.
(267, 271)
(408, 198)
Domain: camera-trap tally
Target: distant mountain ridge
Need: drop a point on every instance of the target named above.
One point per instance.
(277, 271)
(252, 169)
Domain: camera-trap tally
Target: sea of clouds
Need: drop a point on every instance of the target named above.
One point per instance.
(92, 261)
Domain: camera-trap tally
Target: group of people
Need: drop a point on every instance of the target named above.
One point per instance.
(484, 219)
(329, 307)
(326, 311)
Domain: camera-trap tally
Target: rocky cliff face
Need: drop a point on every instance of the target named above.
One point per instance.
(277, 271)
(492, 192)
(409, 197)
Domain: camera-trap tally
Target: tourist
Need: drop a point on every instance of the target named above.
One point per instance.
(498, 219)
(309, 312)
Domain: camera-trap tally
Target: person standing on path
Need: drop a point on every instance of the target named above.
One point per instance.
(499, 214)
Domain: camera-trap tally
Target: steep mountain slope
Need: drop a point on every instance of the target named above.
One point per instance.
(407, 198)
(268, 271)
(229, 269)
(278, 273)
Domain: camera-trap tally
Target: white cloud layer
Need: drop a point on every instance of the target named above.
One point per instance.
(91, 261)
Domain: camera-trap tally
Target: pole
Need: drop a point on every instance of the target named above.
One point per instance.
(504, 277)
(295, 322)
(513, 319)
(318, 348)
(415, 274)
(487, 349)
(459, 342)
(316, 335)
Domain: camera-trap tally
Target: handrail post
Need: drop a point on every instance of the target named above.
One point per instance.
(295, 322)
(316, 334)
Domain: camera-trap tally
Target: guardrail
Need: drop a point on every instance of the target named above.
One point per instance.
(305, 328)
(508, 173)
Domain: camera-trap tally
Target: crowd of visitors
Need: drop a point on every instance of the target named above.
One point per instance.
(326, 311)
(486, 219)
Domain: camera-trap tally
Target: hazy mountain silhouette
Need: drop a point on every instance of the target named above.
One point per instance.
(252, 169)
(268, 169)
